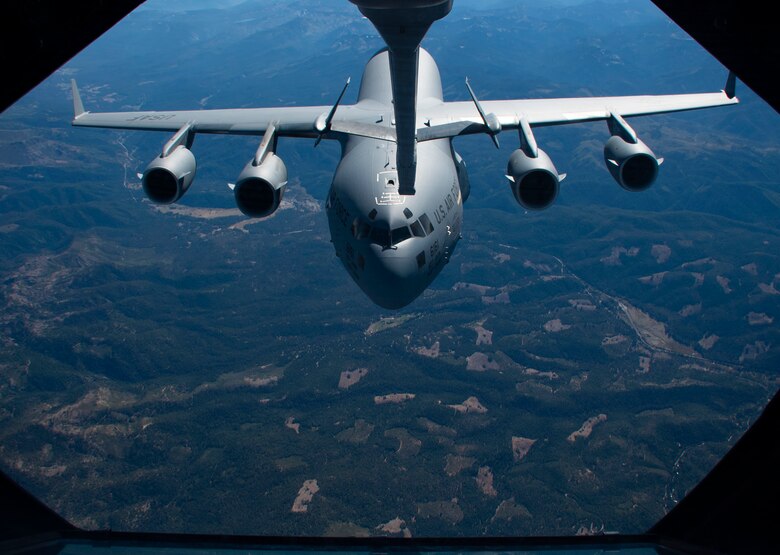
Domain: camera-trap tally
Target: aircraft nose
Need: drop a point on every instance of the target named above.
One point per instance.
(397, 281)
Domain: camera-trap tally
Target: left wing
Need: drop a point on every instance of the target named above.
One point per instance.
(450, 119)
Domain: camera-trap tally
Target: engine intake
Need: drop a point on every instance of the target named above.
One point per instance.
(633, 165)
(259, 189)
(167, 178)
(534, 181)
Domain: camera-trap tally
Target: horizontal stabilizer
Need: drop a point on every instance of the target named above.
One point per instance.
(364, 130)
(444, 131)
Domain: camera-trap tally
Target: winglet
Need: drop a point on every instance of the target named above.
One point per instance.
(323, 121)
(492, 125)
(731, 85)
(78, 106)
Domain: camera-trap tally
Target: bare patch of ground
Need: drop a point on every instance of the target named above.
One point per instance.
(200, 213)
(469, 406)
(484, 336)
(358, 433)
(753, 351)
(677, 382)
(613, 340)
(690, 310)
(652, 331)
(614, 257)
(348, 378)
(263, 376)
(481, 289)
(509, 510)
(698, 278)
(644, 364)
(587, 427)
(751, 268)
(395, 526)
(576, 381)
(96, 400)
(661, 253)
(501, 257)
(433, 352)
(582, 304)
(408, 445)
(305, 495)
(554, 326)
(388, 323)
(292, 424)
(521, 446)
(393, 398)
(448, 511)
(502, 297)
(708, 341)
(768, 289)
(536, 373)
(480, 362)
(485, 481)
(455, 464)
(759, 319)
(591, 530)
(724, 284)
(541, 268)
(653, 279)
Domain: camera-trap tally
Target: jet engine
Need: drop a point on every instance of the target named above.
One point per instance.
(534, 180)
(633, 165)
(167, 178)
(260, 188)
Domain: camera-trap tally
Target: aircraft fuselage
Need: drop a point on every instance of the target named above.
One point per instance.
(392, 245)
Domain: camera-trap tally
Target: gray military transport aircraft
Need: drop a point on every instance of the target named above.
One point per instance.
(395, 206)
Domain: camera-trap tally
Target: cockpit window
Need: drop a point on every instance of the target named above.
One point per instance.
(426, 224)
(380, 236)
(408, 213)
(360, 229)
(417, 229)
(400, 234)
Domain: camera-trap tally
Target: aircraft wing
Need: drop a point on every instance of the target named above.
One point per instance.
(293, 121)
(289, 121)
(450, 119)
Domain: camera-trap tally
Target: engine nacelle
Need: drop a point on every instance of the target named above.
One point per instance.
(166, 179)
(633, 165)
(259, 189)
(534, 181)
